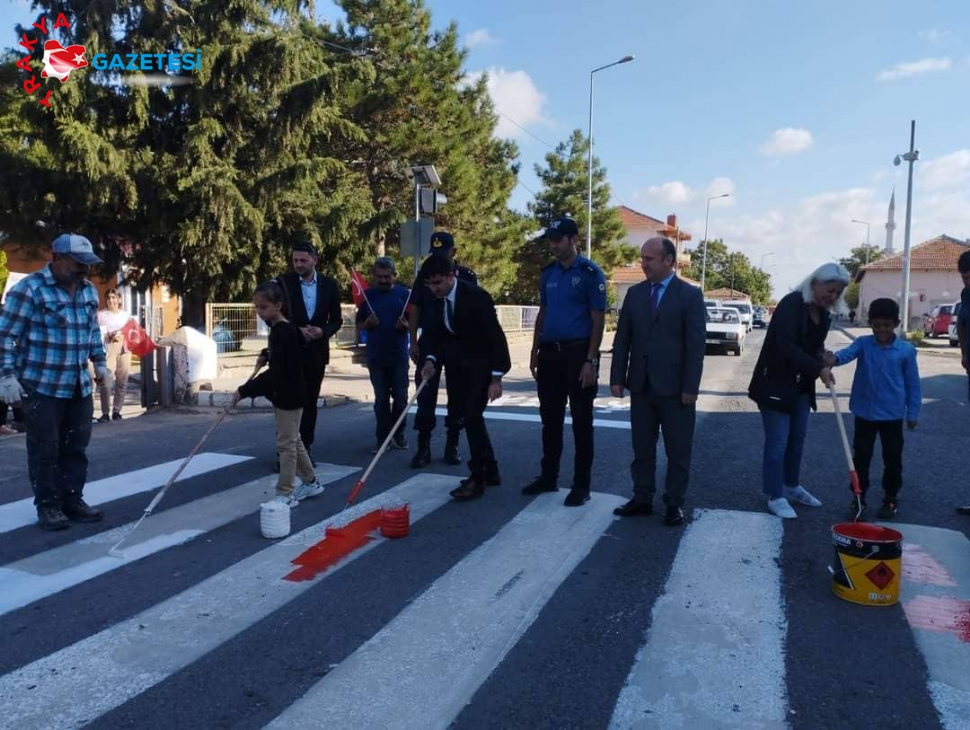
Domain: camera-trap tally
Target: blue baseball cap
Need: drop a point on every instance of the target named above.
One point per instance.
(564, 226)
(77, 247)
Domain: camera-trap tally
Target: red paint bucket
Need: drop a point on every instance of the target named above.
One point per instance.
(395, 520)
(868, 563)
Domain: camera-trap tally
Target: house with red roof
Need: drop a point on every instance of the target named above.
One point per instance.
(933, 278)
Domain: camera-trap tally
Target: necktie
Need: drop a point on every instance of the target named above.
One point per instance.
(451, 316)
(655, 299)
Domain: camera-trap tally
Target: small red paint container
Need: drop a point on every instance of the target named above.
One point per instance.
(395, 520)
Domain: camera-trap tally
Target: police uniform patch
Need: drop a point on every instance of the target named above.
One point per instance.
(602, 286)
(576, 281)
(436, 243)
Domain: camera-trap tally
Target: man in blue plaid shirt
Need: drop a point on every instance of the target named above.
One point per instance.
(48, 332)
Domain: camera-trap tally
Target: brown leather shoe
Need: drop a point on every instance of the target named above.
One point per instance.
(469, 489)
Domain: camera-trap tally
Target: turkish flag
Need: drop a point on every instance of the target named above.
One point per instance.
(137, 340)
(357, 288)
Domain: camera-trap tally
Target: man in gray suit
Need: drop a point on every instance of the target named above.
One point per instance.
(658, 353)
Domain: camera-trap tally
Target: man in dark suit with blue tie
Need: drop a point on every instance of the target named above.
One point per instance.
(465, 319)
(658, 354)
(313, 305)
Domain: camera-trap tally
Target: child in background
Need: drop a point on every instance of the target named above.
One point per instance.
(283, 384)
(885, 392)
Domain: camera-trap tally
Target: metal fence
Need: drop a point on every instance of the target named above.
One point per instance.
(236, 327)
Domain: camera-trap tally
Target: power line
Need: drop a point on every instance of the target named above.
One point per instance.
(531, 134)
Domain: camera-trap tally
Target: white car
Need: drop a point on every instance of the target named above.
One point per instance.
(745, 310)
(725, 329)
(952, 330)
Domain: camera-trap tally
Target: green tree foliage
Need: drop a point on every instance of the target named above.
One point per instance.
(290, 131)
(729, 270)
(564, 179)
(852, 295)
(861, 256)
(419, 106)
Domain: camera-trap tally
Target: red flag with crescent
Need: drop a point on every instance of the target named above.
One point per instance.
(357, 287)
(137, 340)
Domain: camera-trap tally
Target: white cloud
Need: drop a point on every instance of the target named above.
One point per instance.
(515, 95)
(948, 171)
(935, 35)
(479, 37)
(819, 228)
(914, 68)
(787, 141)
(675, 191)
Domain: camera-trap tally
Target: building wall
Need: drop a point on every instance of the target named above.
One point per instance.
(927, 289)
(20, 261)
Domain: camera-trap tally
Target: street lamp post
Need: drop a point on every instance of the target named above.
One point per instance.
(764, 256)
(910, 157)
(589, 162)
(707, 218)
(866, 224)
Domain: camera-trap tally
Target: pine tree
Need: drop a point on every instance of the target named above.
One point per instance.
(420, 108)
(564, 189)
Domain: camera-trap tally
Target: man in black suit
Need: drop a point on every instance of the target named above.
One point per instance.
(465, 316)
(313, 304)
(658, 353)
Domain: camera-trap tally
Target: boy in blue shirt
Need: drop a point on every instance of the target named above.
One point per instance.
(885, 392)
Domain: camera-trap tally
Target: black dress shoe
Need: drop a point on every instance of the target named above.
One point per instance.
(674, 517)
(493, 478)
(469, 489)
(422, 457)
(576, 497)
(51, 518)
(633, 507)
(964, 510)
(79, 511)
(540, 485)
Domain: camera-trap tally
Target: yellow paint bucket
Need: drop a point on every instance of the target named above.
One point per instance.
(867, 563)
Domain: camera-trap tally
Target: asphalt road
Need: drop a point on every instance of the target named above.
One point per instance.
(786, 651)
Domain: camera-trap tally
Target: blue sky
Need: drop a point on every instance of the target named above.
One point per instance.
(796, 109)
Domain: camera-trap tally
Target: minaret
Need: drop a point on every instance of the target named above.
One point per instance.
(891, 225)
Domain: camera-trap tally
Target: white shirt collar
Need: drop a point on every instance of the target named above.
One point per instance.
(450, 296)
(312, 281)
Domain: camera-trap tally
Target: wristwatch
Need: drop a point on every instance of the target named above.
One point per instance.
(593, 360)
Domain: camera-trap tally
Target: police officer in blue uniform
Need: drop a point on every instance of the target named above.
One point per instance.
(565, 357)
(422, 316)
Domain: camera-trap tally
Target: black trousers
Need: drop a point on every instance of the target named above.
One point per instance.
(472, 398)
(890, 434)
(425, 420)
(313, 377)
(58, 432)
(649, 414)
(558, 381)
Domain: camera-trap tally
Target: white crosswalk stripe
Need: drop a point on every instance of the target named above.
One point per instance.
(714, 654)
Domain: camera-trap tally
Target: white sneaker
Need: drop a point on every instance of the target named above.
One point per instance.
(283, 499)
(801, 495)
(780, 508)
(307, 490)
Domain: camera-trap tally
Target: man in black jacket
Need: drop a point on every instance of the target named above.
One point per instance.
(465, 317)
(313, 304)
(422, 316)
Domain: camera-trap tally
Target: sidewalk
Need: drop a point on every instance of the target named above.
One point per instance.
(347, 382)
(939, 346)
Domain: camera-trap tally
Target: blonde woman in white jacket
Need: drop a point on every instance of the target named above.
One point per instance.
(111, 320)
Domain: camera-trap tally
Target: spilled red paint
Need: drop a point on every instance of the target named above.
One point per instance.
(949, 615)
(338, 543)
(921, 567)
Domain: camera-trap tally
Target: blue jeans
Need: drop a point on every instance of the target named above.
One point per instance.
(784, 439)
(390, 382)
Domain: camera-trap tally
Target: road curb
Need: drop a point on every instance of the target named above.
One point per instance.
(221, 399)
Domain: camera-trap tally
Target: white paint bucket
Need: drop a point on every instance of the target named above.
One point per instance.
(274, 519)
